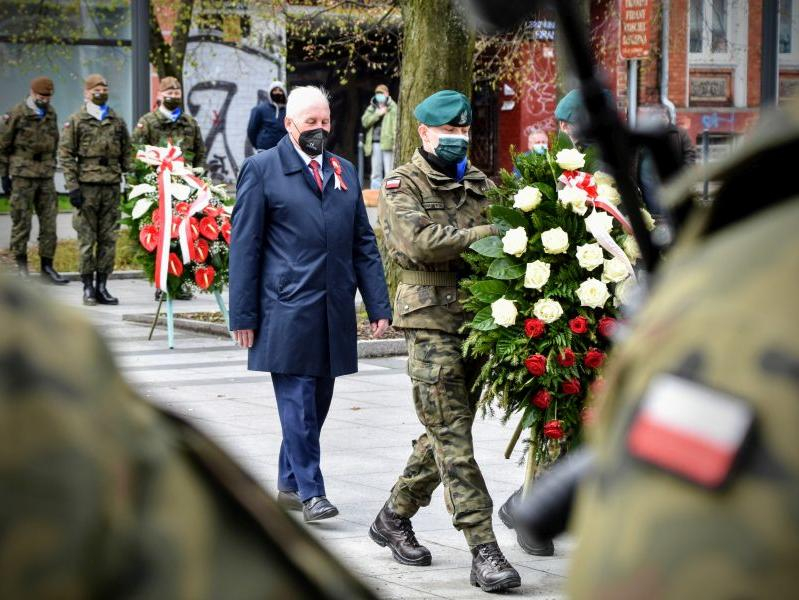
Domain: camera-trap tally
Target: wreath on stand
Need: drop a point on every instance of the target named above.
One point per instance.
(546, 296)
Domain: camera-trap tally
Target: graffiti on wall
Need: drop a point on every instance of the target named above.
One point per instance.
(540, 94)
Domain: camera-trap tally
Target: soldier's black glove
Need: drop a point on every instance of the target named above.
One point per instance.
(7, 185)
(76, 198)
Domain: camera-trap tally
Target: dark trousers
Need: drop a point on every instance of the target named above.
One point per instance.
(302, 403)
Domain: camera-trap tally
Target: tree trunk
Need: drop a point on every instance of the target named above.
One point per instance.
(437, 54)
(167, 57)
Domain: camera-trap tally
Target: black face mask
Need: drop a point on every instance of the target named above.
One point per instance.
(42, 104)
(279, 98)
(312, 142)
(172, 103)
(100, 98)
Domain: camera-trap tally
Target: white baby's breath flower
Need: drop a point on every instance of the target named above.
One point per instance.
(590, 256)
(547, 310)
(593, 293)
(514, 242)
(537, 275)
(555, 241)
(570, 159)
(504, 312)
(527, 198)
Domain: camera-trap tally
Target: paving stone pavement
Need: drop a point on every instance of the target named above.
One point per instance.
(365, 442)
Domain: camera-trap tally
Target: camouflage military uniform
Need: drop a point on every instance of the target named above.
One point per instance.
(156, 129)
(105, 496)
(94, 155)
(428, 221)
(28, 146)
(723, 317)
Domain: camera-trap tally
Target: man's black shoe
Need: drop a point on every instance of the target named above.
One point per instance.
(318, 508)
(491, 571)
(89, 293)
(103, 297)
(396, 532)
(528, 542)
(289, 500)
(49, 272)
(22, 265)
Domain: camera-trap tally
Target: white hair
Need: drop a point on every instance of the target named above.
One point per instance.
(303, 97)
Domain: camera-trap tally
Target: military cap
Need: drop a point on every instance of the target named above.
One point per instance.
(43, 86)
(444, 107)
(169, 83)
(570, 107)
(93, 81)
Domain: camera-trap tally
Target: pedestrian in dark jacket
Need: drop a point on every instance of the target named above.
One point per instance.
(266, 120)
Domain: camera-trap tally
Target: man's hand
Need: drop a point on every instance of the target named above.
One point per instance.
(379, 328)
(7, 185)
(76, 198)
(244, 337)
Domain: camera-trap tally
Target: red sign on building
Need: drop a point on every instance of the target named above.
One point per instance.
(635, 28)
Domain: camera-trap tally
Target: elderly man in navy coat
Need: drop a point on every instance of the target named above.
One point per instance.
(300, 245)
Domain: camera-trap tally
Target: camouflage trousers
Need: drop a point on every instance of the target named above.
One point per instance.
(29, 195)
(444, 453)
(97, 223)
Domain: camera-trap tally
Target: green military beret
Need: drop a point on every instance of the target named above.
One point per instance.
(570, 107)
(444, 107)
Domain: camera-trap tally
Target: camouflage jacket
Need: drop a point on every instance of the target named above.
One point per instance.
(428, 220)
(28, 144)
(106, 496)
(156, 129)
(93, 151)
(721, 325)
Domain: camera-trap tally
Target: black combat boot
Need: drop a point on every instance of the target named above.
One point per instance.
(22, 265)
(89, 293)
(48, 272)
(528, 542)
(491, 571)
(396, 532)
(103, 297)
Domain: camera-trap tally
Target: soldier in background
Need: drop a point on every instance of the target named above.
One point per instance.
(430, 210)
(696, 483)
(171, 123)
(94, 152)
(28, 146)
(106, 496)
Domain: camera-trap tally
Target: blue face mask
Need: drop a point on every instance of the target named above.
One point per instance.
(452, 148)
(380, 98)
(540, 148)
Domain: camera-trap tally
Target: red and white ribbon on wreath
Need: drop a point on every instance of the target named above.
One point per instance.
(339, 182)
(169, 161)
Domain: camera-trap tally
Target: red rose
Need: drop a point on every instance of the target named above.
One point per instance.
(553, 430)
(175, 265)
(571, 387)
(566, 358)
(148, 237)
(204, 276)
(541, 399)
(534, 328)
(536, 364)
(593, 359)
(606, 326)
(578, 325)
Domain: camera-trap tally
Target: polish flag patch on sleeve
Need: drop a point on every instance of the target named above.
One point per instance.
(393, 183)
(690, 430)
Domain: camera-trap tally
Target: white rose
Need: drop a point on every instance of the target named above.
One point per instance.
(537, 275)
(602, 178)
(590, 256)
(547, 310)
(570, 159)
(608, 193)
(574, 198)
(614, 271)
(648, 220)
(527, 198)
(555, 241)
(515, 241)
(625, 291)
(593, 293)
(630, 247)
(599, 219)
(504, 312)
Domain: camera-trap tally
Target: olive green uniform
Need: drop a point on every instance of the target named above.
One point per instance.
(28, 145)
(428, 220)
(723, 316)
(94, 154)
(156, 129)
(106, 496)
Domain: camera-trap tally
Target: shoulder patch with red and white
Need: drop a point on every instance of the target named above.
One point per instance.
(689, 429)
(393, 183)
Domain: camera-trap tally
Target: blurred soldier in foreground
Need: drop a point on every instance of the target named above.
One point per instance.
(95, 152)
(105, 496)
(171, 123)
(696, 484)
(431, 210)
(28, 145)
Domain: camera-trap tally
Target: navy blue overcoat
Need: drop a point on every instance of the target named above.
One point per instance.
(296, 257)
